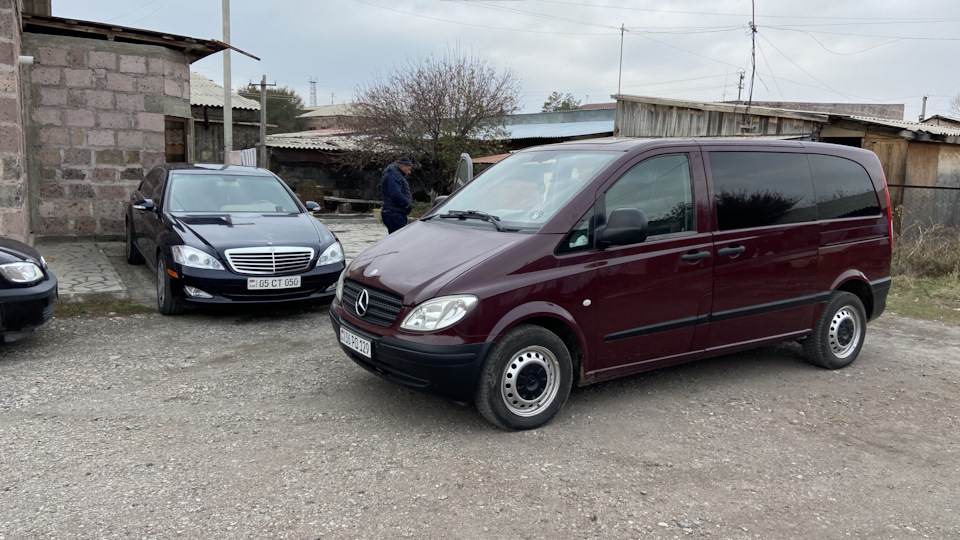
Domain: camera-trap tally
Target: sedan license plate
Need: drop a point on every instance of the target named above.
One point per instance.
(355, 342)
(289, 282)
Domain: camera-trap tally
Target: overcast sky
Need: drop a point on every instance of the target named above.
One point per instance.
(846, 51)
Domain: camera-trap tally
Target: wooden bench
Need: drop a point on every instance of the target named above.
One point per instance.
(344, 205)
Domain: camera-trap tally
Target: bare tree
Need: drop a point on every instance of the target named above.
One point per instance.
(433, 109)
(955, 106)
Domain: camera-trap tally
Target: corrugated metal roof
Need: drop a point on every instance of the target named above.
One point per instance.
(916, 127)
(328, 140)
(558, 130)
(343, 109)
(206, 93)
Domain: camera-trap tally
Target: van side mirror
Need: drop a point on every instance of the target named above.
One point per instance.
(146, 204)
(439, 200)
(626, 226)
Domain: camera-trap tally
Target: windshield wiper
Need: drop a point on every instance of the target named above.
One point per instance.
(473, 214)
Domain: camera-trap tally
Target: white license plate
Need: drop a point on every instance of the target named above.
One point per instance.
(290, 282)
(355, 342)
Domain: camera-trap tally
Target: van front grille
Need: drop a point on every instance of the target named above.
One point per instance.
(382, 308)
(269, 260)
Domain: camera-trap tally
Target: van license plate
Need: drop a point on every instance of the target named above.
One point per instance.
(289, 282)
(355, 342)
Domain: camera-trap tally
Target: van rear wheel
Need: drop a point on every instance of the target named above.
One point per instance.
(525, 380)
(839, 334)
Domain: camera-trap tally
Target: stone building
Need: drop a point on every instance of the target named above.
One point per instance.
(88, 107)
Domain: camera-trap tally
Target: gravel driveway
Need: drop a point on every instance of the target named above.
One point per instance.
(254, 425)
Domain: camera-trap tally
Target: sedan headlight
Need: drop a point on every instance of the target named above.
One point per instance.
(332, 254)
(438, 313)
(21, 272)
(195, 258)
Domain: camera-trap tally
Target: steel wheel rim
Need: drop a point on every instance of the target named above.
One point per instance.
(530, 381)
(161, 276)
(845, 330)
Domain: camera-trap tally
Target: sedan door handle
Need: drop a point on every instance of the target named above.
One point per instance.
(695, 256)
(731, 251)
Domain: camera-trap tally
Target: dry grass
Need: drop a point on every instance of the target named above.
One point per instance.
(99, 307)
(926, 270)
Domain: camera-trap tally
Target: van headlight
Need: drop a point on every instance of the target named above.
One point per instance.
(21, 272)
(343, 276)
(332, 254)
(195, 258)
(438, 313)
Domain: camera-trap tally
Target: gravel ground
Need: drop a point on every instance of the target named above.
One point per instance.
(255, 425)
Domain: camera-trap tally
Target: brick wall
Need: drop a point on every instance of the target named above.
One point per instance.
(94, 118)
(14, 217)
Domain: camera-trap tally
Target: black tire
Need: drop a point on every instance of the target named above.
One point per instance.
(167, 301)
(130, 250)
(838, 336)
(532, 355)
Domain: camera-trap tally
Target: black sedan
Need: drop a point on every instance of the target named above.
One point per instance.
(218, 235)
(27, 290)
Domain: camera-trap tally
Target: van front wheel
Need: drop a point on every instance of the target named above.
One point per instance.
(839, 334)
(525, 380)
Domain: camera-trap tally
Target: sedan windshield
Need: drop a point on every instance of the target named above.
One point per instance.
(525, 190)
(228, 193)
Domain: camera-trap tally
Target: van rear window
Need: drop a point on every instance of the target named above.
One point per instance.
(843, 188)
(756, 189)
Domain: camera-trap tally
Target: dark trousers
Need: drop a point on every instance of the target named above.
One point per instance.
(393, 221)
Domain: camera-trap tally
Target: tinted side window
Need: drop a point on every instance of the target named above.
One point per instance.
(755, 189)
(661, 188)
(148, 188)
(843, 188)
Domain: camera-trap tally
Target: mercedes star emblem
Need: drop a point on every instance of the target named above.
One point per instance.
(363, 302)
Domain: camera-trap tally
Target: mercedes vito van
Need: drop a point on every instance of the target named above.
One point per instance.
(574, 263)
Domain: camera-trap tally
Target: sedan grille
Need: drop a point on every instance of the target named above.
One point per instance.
(382, 309)
(272, 260)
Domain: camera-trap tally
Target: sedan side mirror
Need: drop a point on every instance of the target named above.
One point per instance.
(146, 204)
(312, 206)
(626, 226)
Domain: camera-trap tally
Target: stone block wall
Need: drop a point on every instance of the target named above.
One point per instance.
(14, 211)
(94, 116)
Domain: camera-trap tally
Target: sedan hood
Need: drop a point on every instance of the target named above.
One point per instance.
(420, 259)
(226, 231)
(13, 251)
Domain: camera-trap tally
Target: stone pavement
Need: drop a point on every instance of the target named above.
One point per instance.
(88, 270)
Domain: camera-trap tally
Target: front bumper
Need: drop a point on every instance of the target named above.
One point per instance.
(449, 371)
(24, 309)
(228, 288)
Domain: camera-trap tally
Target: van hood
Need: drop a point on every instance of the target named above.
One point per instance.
(417, 261)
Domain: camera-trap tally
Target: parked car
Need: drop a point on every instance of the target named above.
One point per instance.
(218, 235)
(583, 261)
(27, 290)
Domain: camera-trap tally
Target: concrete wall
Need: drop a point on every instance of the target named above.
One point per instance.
(94, 116)
(14, 211)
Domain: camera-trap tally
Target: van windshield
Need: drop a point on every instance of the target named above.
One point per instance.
(525, 190)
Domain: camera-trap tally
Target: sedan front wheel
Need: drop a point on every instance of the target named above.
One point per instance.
(167, 302)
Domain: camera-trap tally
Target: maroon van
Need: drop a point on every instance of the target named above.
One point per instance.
(579, 262)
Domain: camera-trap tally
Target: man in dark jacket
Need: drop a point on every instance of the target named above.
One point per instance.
(397, 200)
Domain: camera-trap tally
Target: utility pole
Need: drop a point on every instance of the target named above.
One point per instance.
(313, 91)
(753, 47)
(742, 74)
(227, 102)
(620, 75)
(263, 121)
(923, 110)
